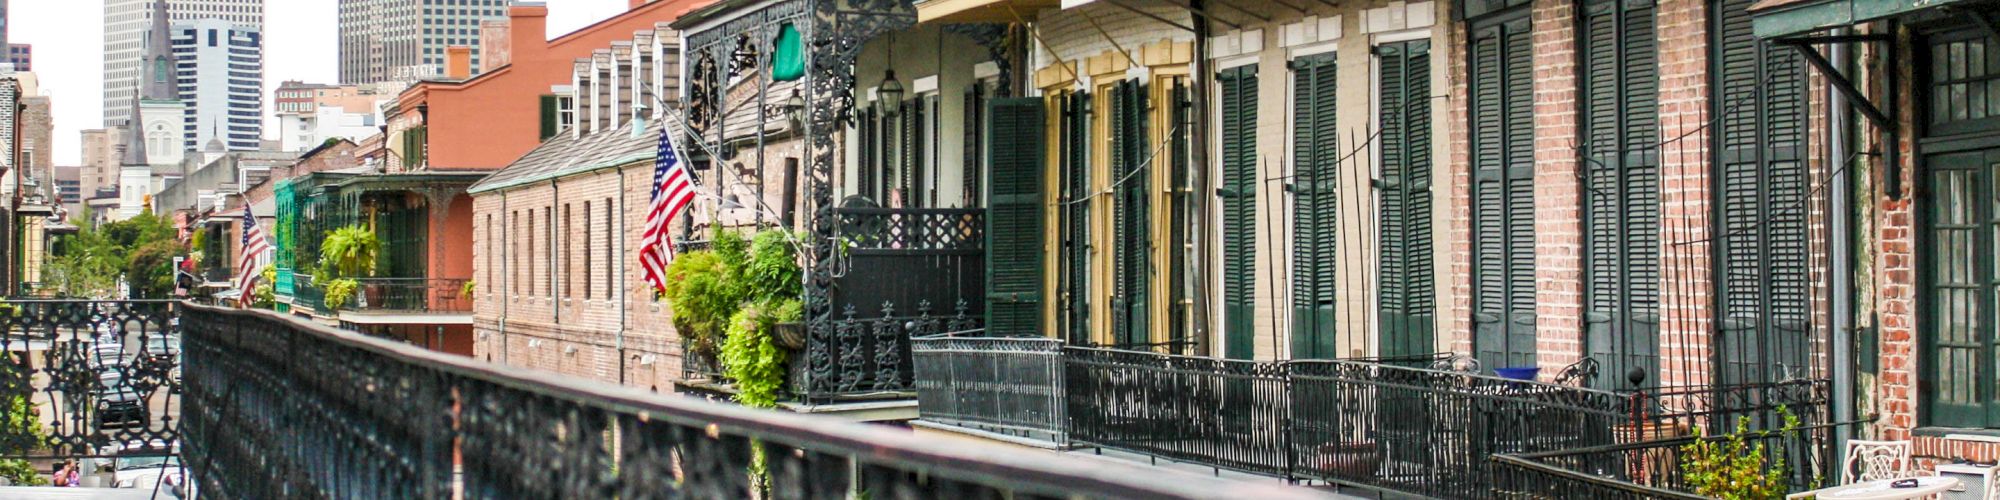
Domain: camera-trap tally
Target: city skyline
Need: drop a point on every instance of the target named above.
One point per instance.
(302, 40)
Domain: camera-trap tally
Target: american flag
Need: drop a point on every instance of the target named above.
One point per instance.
(673, 191)
(254, 246)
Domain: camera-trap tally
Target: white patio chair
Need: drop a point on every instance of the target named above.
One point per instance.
(1875, 460)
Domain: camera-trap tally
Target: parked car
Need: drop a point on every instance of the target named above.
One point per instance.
(121, 406)
(146, 465)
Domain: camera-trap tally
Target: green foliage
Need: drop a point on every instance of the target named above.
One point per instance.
(150, 270)
(349, 252)
(470, 286)
(339, 292)
(773, 267)
(266, 294)
(750, 353)
(1731, 468)
(702, 296)
(91, 263)
(21, 473)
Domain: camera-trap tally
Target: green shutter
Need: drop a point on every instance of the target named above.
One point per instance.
(1316, 154)
(1502, 118)
(1760, 248)
(1238, 132)
(550, 123)
(1131, 243)
(1075, 251)
(1014, 219)
(1620, 124)
(1408, 302)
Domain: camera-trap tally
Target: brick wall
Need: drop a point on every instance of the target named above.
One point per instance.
(1558, 224)
(1685, 293)
(596, 320)
(1896, 275)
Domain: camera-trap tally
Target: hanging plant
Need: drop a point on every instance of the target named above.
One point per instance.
(349, 252)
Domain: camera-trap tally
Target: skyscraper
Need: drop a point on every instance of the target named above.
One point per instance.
(403, 40)
(125, 25)
(221, 80)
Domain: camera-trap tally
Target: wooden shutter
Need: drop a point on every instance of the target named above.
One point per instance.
(1760, 248)
(975, 118)
(1621, 188)
(1075, 251)
(1503, 224)
(1014, 219)
(550, 113)
(1131, 243)
(1238, 129)
(1316, 154)
(1408, 303)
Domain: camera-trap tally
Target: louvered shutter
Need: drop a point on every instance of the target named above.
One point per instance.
(1131, 242)
(1238, 127)
(1502, 118)
(1316, 156)
(975, 119)
(1760, 248)
(550, 111)
(1014, 219)
(1621, 188)
(1075, 171)
(1407, 299)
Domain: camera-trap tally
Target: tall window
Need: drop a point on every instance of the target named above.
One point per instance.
(1316, 156)
(1074, 148)
(530, 269)
(611, 236)
(1237, 131)
(1503, 202)
(1961, 230)
(549, 267)
(491, 240)
(1131, 246)
(567, 233)
(1621, 195)
(1407, 298)
(1760, 192)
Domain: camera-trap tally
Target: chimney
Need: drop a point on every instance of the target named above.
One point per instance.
(458, 62)
(496, 47)
(528, 27)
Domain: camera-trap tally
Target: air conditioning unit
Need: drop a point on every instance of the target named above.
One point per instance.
(1975, 481)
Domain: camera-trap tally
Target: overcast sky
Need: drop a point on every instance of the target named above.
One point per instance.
(299, 44)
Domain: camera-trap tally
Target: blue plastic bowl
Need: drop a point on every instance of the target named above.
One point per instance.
(1519, 372)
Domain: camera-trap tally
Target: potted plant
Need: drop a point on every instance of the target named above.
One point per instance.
(348, 253)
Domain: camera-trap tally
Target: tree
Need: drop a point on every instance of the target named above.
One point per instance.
(150, 272)
(93, 261)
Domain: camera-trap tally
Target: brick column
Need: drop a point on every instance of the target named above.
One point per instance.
(1456, 274)
(1558, 226)
(1686, 297)
(1895, 261)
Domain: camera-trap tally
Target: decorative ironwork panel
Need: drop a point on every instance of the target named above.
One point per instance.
(94, 374)
(283, 408)
(1009, 386)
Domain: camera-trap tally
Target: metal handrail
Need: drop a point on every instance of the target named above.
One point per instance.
(857, 446)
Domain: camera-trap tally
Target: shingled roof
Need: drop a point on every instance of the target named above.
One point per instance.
(568, 154)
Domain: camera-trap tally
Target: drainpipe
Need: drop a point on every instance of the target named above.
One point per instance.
(507, 273)
(618, 283)
(1841, 286)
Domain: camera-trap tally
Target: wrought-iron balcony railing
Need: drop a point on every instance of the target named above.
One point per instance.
(1413, 425)
(279, 407)
(1652, 469)
(421, 295)
(897, 273)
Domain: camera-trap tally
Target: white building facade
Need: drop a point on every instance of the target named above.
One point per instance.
(221, 79)
(301, 131)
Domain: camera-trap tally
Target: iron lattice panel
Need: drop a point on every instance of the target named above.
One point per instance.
(86, 398)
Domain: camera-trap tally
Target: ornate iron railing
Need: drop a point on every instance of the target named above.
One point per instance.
(902, 265)
(439, 295)
(93, 373)
(1652, 469)
(283, 408)
(1011, 386)
(1222, 413)
(1386, 423)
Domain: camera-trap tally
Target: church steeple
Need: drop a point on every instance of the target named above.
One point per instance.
(158, 82)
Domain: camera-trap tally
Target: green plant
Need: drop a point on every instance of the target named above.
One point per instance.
(339, 292)
(21, 473)
(750, 354)
(702, 298)
(266, 293)
(773, 267)
(1732, 468)
(349, 252)
(466, 291)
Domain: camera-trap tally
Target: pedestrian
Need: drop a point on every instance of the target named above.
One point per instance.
(68, 476)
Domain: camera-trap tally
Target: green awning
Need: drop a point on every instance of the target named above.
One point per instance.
(788, 61)
(1779, 18)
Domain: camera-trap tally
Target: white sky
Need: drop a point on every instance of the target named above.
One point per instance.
(299, 44)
